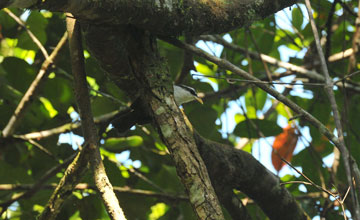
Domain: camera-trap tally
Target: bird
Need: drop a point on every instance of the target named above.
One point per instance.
(182, 94)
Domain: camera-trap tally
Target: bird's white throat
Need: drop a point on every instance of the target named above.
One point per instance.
(182, 95)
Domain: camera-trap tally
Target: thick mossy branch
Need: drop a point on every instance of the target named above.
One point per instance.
(72, 176)
(170, 17)
(235, 169)
(224, 163)
(154, 84)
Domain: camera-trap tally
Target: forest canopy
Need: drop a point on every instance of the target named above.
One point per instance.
(90, 128)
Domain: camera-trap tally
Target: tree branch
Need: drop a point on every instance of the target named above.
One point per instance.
(34, 87)
(236, 169)
(72, 176)
(329, 90)
(229, 66)
(88, 126)
(182, 16)
(30, 33)
(310, 74)
(103, 119)
(84, 186)
(154, 84)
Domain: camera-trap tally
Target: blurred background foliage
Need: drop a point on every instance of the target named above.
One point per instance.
(234, 112)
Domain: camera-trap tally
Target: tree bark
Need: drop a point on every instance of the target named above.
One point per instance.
(182, 16)
(120, 35)
(153, 82)
(230, 169)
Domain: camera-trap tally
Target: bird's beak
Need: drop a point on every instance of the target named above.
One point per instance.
(199, 100)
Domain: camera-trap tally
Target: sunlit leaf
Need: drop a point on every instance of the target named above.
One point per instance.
(158, 210)
(47, 104)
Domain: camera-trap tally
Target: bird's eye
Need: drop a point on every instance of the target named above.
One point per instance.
(193, 92)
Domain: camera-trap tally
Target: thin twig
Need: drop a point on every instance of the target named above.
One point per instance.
(310, 182)
(140, 175)
(228, 79)
(83, 186)
(106, 95)
(236, 70)
(329, 31)
(266, 68)
(311, 74)
(31, 35)
(68, 127)
(341, 55)
(41, 148)
(232, 80)
(347, 77)
(34, 87)
(328, 88)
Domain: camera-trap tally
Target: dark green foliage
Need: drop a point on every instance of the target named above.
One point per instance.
(21, 162)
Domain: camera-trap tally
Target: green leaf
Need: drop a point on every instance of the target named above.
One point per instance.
(102, 105)
(261, 97)
(264, 38)
(280, 109)
(18, 73)
(246, 128)
(203, 118)
(91, 208)
(239, 118)
(37, 24)
(117, 145)
(174, 57)
(157, 211)
(59, 91)
(13, 175)
(207, 69)
(254, 101)
(297, 18)
(8, 25)
(47, 104)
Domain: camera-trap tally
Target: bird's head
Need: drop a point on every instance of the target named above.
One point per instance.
(184, 94)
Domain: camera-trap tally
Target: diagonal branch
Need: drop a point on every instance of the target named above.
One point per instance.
(88, 126)
(30, 33)
(34, 87)
(329, 90)
(229, 66)
(239, 170)
(72, 176)
(310, 74)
